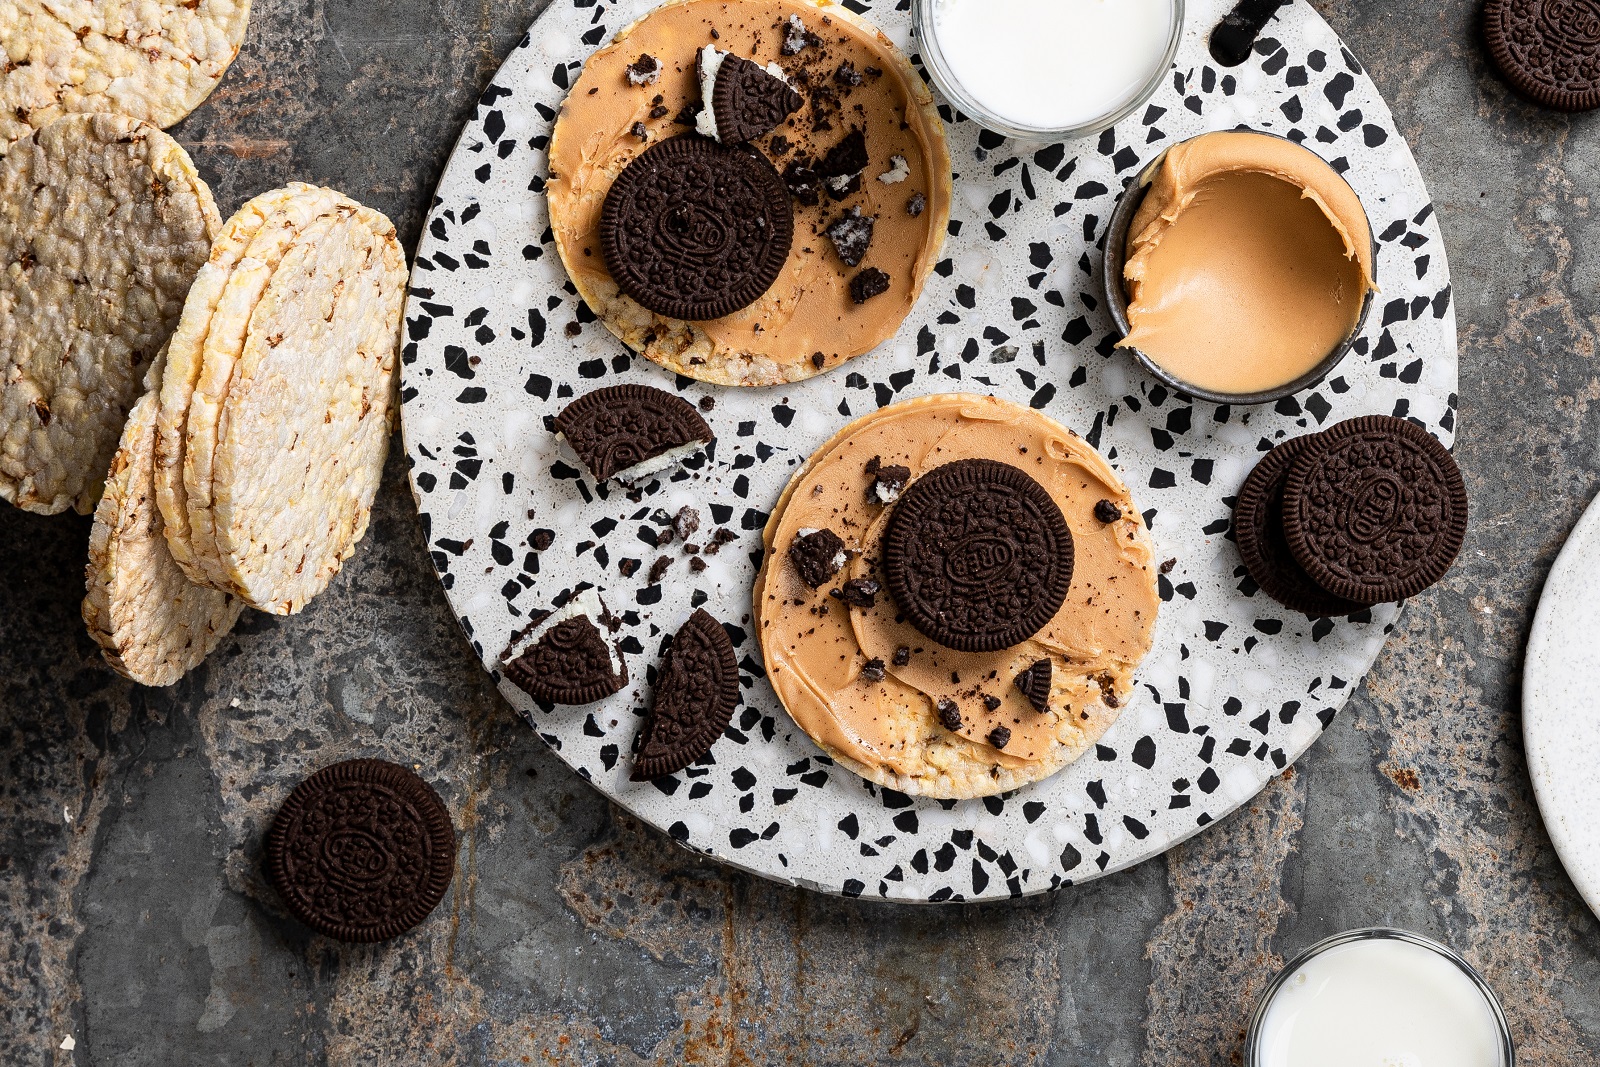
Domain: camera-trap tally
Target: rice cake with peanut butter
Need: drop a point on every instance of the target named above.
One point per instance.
(897, 707)
(644, 88)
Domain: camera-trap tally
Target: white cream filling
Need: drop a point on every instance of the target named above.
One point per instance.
(899, 170)
(643, 469)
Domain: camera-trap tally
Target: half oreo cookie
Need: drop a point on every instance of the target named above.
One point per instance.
(696, 230)
(742, 100)
(694, 699)
(629, 432)
(1258, 529)
(978, 555)
(1377, 512)
(1549, 50)
(361, 851)
(563, 657)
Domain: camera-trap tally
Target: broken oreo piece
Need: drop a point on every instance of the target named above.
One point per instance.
(1000, 736)
(817, 556)
(949, 715)
(646, 70)
(695, 230)
(629, 432)
(563, 657)
(859, 593)
(868, 284)
(851, 234)
(916, 204)
(742, 100)
(978, 555)
(694, 699)
(361, 851)
(888, 482)
(797, 38)
(1034, 684)
(1107, 511)
(873, 670)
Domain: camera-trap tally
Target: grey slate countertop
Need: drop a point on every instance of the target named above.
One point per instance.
(134, 919)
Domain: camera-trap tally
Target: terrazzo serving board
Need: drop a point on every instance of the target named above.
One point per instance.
(1235, 688)
(1561, 706)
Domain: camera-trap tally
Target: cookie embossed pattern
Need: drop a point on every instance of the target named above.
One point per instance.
(1236, 687)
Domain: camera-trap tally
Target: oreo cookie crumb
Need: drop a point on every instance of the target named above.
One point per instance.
(902, 656)
(697, 565)
(658, 570)
(779, 145)
(1107, 511)
(868, 284)
(803, 181)
(1000, 737)
(847, 74)
(574, 328)
(797, 38)
(1166, 567)
(1108, 690)
(817, 557)
(689, 114)
(916, 205)
(873, 670)
(818, 360)
(659, 110)
(640, 130)
(686, 522)
(723, 536)
(949, 714)
(646, 70)
(990, 701)
(851, 235)
(859, 592)
(707, 403)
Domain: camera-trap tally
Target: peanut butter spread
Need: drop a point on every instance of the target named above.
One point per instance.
(1247, 263)
(821, 654)
(852, 78)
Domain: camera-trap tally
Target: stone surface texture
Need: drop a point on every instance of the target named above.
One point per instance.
(134, 918)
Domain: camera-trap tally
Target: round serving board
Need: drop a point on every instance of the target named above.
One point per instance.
(1235, 688)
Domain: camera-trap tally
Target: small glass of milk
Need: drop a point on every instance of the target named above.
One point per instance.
(1047, 70)
(1378, 998)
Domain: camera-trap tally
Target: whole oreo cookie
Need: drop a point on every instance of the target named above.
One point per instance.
(696, 230)
(1258, 529)
(361, 851)
(694, 699)
(1549, 50)
(1376, 512)
(619, 430)
(977, 555)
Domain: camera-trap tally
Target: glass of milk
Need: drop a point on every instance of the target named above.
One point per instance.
(1378, 998)
(1047, 70)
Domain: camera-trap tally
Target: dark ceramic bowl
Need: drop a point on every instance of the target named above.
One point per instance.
(1112, 259)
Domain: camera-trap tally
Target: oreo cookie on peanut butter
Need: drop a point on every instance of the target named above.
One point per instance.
(628, 432)
(695, 696)
(692, 229)
(743, 100)
(977, 555)
(1548, 50)
(1258, 529)
(1377, 511)
(563, 657)
(361, 851)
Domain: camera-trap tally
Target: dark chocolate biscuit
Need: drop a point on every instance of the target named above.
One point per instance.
(817, 557)
(868, 284)
(694, 699)
(696, 230)
(1035, 684)
(569, 664)
(1377, 511)
(977, 555)
(851, 234)
(1258, 529)
(622, 426)
(361, 851)
(748, 101)
(1549, 50)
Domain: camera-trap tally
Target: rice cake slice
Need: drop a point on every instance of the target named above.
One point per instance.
(184, 352)
(153, 60)
(305, 218)
(152, 624)
(104, 223)
(306, 422)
